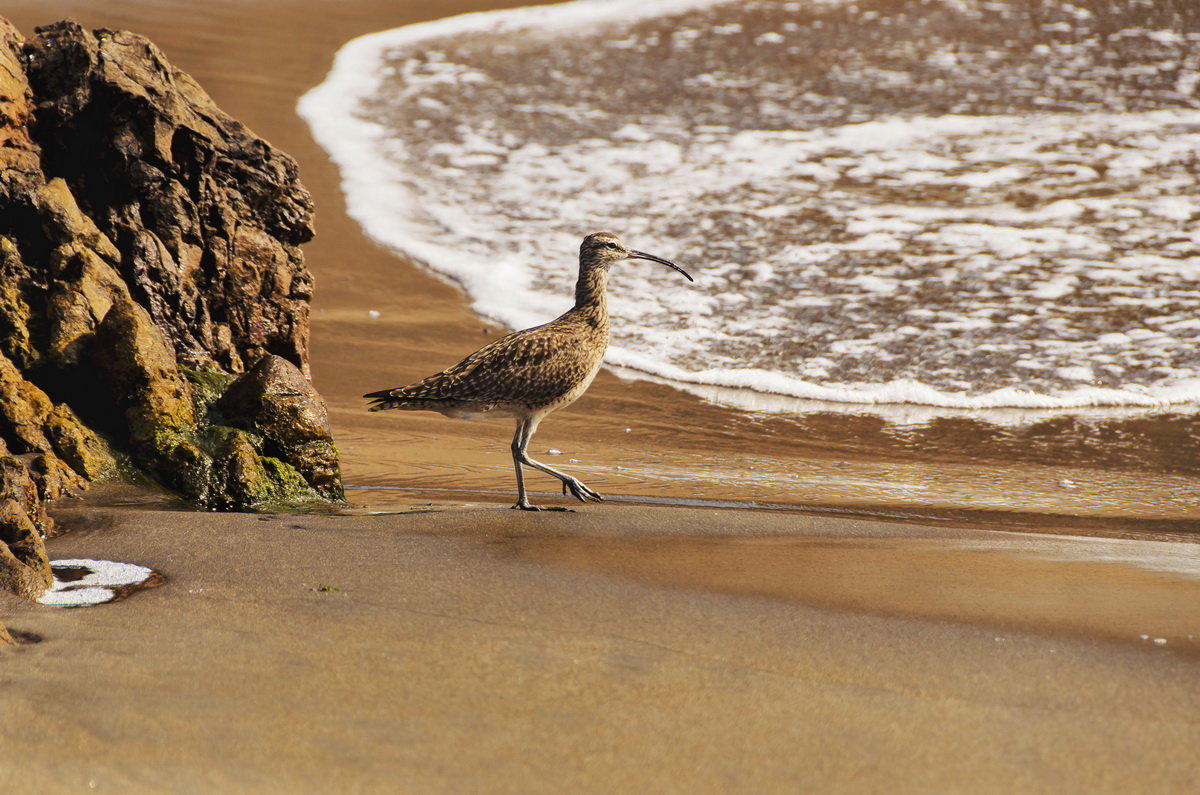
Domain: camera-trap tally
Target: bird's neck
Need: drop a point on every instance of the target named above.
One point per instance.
(591, 291)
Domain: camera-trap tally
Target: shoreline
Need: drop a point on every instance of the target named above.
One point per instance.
(630, 437)
(1178, 530)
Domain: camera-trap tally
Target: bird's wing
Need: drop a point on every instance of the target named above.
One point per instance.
(533, 365)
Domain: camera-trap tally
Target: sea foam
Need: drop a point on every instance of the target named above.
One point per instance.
(1038, 259)
(96, 581)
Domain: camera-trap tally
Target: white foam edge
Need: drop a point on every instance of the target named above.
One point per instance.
(377, 198)
(376, 194)
(901, 402)
(359, 62)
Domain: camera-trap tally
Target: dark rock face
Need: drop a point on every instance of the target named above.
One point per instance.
(149, 254)
(208, 217)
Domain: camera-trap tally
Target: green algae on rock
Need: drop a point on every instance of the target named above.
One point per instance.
(275, 402)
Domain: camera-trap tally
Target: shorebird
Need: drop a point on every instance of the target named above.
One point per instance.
(530, 373)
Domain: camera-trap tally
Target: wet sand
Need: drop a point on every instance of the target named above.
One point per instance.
(436, 651)
(463, 646)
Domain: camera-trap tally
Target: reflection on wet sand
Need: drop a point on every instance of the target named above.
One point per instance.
(1138, 592)
(1102, 473)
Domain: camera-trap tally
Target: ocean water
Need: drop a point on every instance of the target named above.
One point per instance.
(949, 203)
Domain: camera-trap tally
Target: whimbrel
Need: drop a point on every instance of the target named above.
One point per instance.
(530, 373)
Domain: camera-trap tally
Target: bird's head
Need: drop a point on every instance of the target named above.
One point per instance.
(603, 249)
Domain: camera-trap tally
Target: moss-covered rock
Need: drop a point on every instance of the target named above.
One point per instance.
(175, 458)
(248, 478)
(242, 481)
(277, 403)
(207, 388)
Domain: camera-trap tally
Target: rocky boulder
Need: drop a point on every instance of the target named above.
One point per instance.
(207, 217)
(153, 296)
(279, 408)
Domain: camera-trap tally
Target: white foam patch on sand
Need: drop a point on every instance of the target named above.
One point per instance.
(940, 289)
(96, 586)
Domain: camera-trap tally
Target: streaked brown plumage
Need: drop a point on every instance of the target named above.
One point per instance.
(530, 373)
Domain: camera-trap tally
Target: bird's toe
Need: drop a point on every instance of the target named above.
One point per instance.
(580, 491)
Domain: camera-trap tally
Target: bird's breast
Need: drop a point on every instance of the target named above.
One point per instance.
(577, 388)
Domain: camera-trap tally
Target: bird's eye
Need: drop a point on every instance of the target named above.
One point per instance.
(610, 245)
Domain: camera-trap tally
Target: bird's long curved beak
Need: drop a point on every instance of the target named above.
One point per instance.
(643, 255)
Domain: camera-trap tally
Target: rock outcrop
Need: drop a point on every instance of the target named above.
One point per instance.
(153, 295)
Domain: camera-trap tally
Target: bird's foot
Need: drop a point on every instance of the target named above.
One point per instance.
(527, 507)
(580, 491)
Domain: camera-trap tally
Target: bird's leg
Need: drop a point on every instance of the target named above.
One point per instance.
(520, 440)
(522, 498)
(579, 490)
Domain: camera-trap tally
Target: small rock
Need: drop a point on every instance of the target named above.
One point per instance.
(275, 401)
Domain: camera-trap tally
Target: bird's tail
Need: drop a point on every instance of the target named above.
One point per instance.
(398, 398)
(386, 399)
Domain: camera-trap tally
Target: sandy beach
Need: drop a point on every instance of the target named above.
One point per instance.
(470, 647)
(900, 621)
